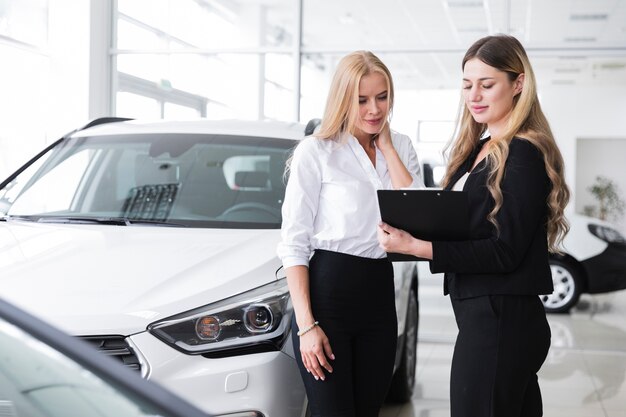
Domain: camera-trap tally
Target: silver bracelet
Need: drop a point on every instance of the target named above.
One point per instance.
(308, 329)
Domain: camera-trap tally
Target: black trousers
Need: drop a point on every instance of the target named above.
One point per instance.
(503, 340)
(353, 299)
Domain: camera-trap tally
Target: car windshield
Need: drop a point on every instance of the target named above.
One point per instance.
(190, 180)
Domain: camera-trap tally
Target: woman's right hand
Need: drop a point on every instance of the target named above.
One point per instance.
(315, 350)
(395, 240)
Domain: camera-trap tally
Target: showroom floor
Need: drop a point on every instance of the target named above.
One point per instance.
(583, 376)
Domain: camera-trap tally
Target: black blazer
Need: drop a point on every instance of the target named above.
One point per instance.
(515, 261)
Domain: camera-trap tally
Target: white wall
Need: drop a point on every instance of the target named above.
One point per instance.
(582, 112)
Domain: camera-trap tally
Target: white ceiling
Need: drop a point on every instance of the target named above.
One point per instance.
(579, 42)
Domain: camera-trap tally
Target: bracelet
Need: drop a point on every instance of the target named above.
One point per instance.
(308, 329)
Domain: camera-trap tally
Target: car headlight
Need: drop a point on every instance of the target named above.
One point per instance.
(607, 234)
(257, 320)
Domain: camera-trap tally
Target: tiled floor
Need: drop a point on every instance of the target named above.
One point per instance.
(583, 376)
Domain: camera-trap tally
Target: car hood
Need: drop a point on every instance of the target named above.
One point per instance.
(97, 279)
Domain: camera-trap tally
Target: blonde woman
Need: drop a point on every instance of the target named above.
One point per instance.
(340, 281)
(506, 159)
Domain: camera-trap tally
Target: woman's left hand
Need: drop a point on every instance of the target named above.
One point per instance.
(395, 240)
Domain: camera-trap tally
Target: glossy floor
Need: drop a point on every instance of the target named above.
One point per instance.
(583, 376)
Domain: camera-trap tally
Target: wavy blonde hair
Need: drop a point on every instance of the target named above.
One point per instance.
(342, 105)
(526, 121)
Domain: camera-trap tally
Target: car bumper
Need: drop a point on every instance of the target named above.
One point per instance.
(266, 383)
(607, 271)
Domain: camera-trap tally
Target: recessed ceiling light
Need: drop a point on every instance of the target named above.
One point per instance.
(573, 57)
(580, 39)
(476, 29)
(612, 65)
(461, 3)
(588, 16)
(567, 70)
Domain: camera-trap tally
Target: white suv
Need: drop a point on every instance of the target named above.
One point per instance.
(156, 242)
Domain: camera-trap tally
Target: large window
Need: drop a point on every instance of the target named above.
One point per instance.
(25, 21)
(25, 71)
(254, 59)
(205, 58)
(44, 47)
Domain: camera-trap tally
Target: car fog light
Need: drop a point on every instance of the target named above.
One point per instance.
(208, 328)
(258, 318)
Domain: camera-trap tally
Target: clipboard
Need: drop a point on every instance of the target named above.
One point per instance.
(428, 214)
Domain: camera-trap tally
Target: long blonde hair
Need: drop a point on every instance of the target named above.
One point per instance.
(526, 121)
(342, 105)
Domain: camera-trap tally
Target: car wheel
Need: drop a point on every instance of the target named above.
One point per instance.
(403, 381)
(567, 287)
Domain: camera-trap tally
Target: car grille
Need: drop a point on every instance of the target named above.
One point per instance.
(117, 347)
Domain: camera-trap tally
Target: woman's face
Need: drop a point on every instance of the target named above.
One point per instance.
(373, 105)
(488, 94)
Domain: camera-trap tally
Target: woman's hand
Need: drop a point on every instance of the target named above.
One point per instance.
(395, 240)
(400, 176)
(315, 350)
(383, 138)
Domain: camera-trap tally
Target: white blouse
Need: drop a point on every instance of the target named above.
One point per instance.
(331, 201)
(458, 186)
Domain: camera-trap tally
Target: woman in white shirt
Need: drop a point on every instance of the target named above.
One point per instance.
(340, 281)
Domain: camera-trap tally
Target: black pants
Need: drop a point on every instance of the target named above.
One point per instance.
(503, 340)
(353, 299)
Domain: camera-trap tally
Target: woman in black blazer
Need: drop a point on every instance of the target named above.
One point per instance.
(506, 159)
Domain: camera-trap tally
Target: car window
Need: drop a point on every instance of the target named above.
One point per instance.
(54, 191)
(38, 381)
(192, 180)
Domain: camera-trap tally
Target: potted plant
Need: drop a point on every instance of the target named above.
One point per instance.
(606, 192)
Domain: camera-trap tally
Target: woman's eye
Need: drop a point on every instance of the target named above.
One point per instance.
(382, 98)
(362, 101)
(488, 86)
(467, 87)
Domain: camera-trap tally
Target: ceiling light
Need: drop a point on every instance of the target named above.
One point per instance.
(476, 29)
(579, 39)
(461, 3)
(346, 19)
(573, 57)
(589, 16)
(567, 70)
(612, 65)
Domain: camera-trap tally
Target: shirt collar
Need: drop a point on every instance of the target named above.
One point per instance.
(364, 161)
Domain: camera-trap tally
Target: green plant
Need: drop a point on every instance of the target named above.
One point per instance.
(611, 206)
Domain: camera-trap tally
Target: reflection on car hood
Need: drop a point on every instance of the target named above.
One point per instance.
(92, 279)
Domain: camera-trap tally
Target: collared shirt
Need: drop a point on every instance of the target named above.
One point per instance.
(458, 186)
(331, 201)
